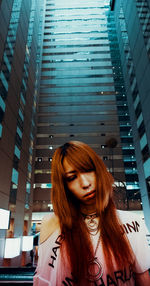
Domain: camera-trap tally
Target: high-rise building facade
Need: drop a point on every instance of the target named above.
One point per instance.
(20, 33)
(82, 95)
(132, 20)
(87, 75)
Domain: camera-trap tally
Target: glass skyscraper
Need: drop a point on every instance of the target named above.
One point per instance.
(83, 97)
(20, 48)
(72, 70)
(133, 31)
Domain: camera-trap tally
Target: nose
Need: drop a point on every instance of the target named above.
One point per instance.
(85, 183)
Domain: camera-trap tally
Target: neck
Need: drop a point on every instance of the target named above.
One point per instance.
(88, 209)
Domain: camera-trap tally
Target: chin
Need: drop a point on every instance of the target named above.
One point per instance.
(90, 201)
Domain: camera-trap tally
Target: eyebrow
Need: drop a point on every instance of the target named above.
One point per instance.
(70, 172)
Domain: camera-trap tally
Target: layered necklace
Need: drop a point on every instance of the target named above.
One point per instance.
(92, 223)
(95, 270)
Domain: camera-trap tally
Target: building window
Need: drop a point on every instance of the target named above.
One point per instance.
(148, 185)
(17, 152)
(105, 158)
(13, 193)
(2, 104)
(1, 114)
(28, 187)
(145, 153)
(14, 176)
(103, 146)
(1, 130)
(15, 162)
(19, 132)
(141, 129)
(138, 110)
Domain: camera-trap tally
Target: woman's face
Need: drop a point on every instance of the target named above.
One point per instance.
(82, 185)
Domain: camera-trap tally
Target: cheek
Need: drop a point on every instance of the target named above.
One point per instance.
(73, 187)
(94, 179)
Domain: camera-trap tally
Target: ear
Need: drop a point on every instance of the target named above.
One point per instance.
(49, 224)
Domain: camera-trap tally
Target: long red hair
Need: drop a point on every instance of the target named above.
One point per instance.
(66, 207)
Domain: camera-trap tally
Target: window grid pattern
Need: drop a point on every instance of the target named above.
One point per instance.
(133, 84)
(5, 67)
(123, 112)
(79, 78)
(143, 9)
(68, 45)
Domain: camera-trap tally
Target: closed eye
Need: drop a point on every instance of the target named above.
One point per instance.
(89, 170)
(71, 178)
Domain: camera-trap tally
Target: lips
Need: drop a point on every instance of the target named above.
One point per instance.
(90, 194)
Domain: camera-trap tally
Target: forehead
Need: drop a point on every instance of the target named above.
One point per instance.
(67, 167)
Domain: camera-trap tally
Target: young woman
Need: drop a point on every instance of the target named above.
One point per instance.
(86, 241)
